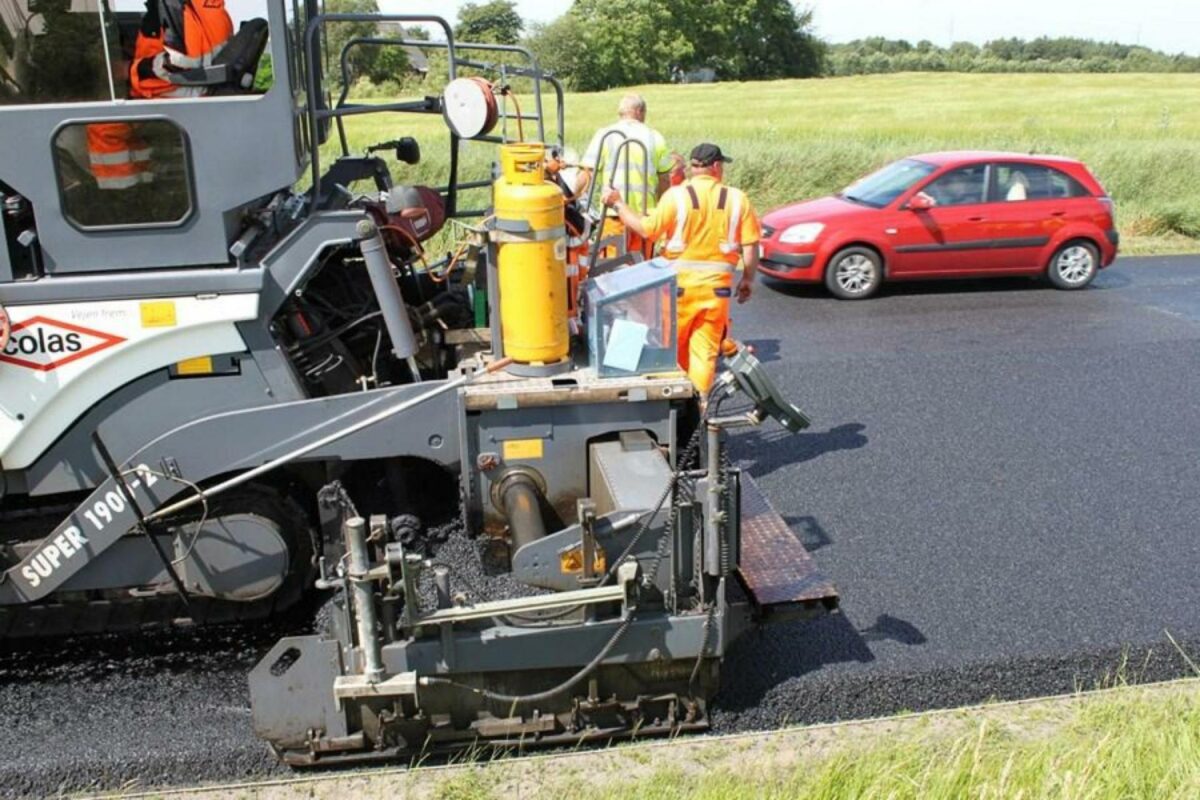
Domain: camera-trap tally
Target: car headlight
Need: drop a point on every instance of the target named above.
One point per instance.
(805, 233)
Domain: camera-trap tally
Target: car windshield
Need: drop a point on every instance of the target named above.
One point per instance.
(880, 188)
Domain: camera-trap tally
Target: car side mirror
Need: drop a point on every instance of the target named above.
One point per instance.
(921, 202)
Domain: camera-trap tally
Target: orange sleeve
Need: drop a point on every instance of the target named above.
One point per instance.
(662, 218)
(749, 229)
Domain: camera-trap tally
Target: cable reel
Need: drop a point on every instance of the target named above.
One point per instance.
(470, 108)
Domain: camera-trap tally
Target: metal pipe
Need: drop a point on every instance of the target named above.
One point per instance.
(327, 440)
(713, 511)
(441, 585)
(387, 292)
(362, 595)
(522, 500)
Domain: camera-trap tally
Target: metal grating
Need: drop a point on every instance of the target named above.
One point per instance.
(775, 566)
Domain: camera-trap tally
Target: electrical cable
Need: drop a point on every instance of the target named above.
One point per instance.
(142, 471)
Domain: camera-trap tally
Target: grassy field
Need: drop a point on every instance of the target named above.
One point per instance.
(1140, 134)
(1133, 742)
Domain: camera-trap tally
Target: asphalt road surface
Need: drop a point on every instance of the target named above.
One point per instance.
(1001, 478)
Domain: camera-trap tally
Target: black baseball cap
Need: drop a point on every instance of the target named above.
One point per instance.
(706, 154)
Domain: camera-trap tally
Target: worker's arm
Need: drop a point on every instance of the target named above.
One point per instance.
(750, 270)
(582, 181)
(629, 218)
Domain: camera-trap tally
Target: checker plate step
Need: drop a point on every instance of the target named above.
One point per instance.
(777, 571)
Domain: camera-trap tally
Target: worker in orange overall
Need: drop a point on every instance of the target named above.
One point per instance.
(174, 35)
(711, 227)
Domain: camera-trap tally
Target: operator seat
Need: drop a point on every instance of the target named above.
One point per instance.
(233, 70)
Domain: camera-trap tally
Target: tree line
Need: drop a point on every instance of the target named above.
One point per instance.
(1063, 54)
(601, 44)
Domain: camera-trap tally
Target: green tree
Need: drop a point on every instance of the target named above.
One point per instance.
(495, 22)
(361, 59)
(602, 43)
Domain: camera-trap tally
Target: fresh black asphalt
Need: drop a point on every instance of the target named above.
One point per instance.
(1001, 479)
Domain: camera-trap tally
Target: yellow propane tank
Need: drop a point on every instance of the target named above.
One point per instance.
(531, 257)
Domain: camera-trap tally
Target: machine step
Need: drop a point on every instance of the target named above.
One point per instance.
(777, 571)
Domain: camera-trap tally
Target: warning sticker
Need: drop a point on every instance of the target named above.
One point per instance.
(523, 449)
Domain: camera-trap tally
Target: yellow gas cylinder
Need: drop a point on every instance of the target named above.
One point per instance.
(531, 249)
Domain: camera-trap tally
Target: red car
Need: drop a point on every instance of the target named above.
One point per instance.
(948, 215)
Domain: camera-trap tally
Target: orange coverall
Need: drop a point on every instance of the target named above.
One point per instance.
(708, 224)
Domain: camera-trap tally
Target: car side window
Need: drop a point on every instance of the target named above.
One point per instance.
(960, 187)
(1014, 183)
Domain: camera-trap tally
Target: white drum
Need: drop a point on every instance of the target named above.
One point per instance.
(469, 106)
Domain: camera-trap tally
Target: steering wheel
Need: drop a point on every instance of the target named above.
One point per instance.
(5, 328)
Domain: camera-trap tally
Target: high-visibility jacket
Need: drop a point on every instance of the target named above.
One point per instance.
(706, 224)
(187, 34)
(640, 182)
(117, 156)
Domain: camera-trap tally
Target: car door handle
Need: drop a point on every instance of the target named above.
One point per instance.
(976, 219)
(1058, 213)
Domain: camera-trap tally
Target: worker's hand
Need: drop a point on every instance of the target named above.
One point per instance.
(610, 197)
(745, 288)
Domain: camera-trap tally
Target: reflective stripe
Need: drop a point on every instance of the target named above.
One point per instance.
(681, 211)
(111, 159)
(704, 266)
(125, 182)
(731, 243)
(143, 154)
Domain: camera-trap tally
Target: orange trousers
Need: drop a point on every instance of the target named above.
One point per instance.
(702, 319)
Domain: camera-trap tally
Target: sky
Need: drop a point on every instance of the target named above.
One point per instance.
(1170, 25)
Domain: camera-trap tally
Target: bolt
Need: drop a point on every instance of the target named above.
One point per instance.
(436, 441)
(487, 461)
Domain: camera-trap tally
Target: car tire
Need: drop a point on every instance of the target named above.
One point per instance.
(854, 273)
(1074, 265)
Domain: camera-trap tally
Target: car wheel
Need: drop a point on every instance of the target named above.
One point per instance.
(1074, 265)
(854, 273)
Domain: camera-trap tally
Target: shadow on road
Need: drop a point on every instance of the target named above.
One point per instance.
(797, 648)
(893, 629)
(922, 287)
(765, 350)
(812, 535)
(780, 448)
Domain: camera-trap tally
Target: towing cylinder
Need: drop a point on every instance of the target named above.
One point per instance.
(531, 253)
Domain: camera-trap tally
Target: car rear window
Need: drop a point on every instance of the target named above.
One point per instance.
(1018, 182)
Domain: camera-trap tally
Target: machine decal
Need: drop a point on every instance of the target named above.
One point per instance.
(158, 314)
(528, 449)
(45, 344)
(71, 541)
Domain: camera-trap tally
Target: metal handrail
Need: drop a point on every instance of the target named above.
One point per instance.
(317, 114)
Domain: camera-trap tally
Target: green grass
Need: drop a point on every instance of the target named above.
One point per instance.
(1128, 744)
(800, 139)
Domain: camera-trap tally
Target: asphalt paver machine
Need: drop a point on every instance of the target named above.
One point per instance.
(230, 377)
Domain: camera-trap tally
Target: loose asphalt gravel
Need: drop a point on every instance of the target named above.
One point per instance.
(1000, 479)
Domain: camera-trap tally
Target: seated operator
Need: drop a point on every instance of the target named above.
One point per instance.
(175, 35)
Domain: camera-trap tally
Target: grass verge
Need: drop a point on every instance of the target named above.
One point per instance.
(799, 139)
(1130, 742)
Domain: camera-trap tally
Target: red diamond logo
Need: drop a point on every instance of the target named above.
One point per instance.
(45, 344)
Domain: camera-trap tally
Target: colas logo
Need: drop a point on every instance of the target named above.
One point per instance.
(44, 344)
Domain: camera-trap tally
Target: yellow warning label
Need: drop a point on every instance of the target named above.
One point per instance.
(195, 366)
(570, 561)
(158, 314)
(528, 449)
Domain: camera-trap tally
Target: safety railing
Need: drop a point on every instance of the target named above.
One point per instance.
(320, 116)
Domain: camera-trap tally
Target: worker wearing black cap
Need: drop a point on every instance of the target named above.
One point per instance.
(711, 228)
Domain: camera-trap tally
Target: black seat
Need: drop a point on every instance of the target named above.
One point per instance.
(235, 66)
